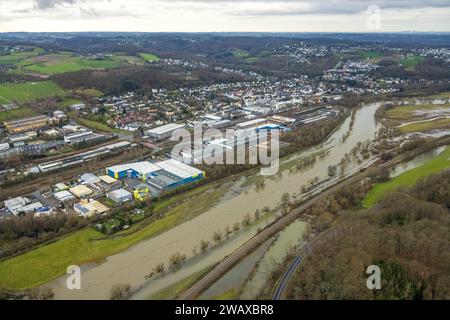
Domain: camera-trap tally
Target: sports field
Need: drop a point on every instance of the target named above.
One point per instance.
(29, 91)
(149, 57)
(408, 178)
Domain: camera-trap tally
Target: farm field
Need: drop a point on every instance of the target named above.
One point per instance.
(368, 55)
(248, 58)
(426, 126)
(49, 261)
(16, 114)
(408, 178)
(29, 91)
(16, 57)
(413, 112)
(148, 57)
(65, 62)
(412, 62)
(241, 53)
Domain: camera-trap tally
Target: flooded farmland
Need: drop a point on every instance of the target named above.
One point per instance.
(131, 266)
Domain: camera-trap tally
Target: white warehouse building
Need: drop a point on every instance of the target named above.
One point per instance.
(163, 132)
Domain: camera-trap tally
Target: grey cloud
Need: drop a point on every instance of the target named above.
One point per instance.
(48, 4)
(298, 7)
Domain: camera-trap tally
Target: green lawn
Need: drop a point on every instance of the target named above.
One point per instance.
(176, 289)
(426, 126)
(66, 62)
(90, 92)
(16, 114)
(45, 263)
(67, 102)
(402, 113)
(231, 294)
(408, 178)
(149, 57)
(241, 53)
(99, 126)
(19, 56)
(29, 91)
(367, 55)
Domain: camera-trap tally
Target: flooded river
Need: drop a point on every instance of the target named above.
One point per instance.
(132, 265)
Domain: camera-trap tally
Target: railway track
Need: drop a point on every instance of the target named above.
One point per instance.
(277, 226)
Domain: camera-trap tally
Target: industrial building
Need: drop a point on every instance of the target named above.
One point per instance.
(120, 196)
(22, 205)
(26, 124)
(162, 175)
(83, 157)
(80, 191)
(87, 208)
(63, 196)
(89, 178)
(163, 132)
(107, 179)
(141, 170)
(251, 123)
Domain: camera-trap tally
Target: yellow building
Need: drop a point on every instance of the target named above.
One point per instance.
(141, 193)
(26, 124)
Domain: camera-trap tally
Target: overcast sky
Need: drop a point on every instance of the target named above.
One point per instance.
(224, 15)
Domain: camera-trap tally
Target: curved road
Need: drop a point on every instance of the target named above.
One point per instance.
(295, 263)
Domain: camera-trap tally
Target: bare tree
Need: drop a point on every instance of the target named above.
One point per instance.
(120, 291)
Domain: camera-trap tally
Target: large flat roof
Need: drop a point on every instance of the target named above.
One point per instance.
(178, 168)
(143, 167)
(251, 122)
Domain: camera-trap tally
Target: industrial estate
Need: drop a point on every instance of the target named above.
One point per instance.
(92, 176)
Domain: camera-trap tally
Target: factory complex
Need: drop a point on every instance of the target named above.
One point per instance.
(162, 175)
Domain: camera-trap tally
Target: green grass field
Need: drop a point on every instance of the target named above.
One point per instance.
(442, 95)
(60, 63)
(90, 92)
(408, 178)
(367, 55)
(426, 126)
(16, 114)
(407, 113)
(412, 62)
(99, 126)
(176, 289)
(148, 57)
(47, 262)
(16, 57)
(241, 53)
(30, 91)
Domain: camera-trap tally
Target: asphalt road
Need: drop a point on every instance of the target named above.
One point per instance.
(297, 261)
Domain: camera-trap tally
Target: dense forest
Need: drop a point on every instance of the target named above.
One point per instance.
(407, 235)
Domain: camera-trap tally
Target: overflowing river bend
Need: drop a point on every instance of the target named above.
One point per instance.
(131, 266)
